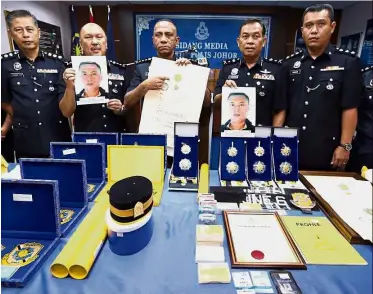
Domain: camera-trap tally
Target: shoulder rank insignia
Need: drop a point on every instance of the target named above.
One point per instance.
(22, 254)
(295, 54)
(143, 60)
(10, 55)
(117, 63)
(231, 61)
(51, 55)
(340, 50)
(368, 68)
(66, 215)
(271, 60)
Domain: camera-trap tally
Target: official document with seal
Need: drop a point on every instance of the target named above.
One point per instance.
(180, 99)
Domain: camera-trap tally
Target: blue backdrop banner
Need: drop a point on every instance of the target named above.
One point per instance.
(367, 49)
(213, 36)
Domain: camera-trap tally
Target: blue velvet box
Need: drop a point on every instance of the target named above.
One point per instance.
(283, 139)
(226, 161)
(192, 156)
(105, 138)
(146, 140)
(72, 185)
(93, 154)
(30, 228)
(257, 159)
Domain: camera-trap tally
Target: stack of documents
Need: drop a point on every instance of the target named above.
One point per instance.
(351, 199)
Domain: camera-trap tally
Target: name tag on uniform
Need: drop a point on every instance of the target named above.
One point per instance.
(116, 77)
(264, 77)
(332, 68)
(295, 71)
(232, 77)
(47, 71)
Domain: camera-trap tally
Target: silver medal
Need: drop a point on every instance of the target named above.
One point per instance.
(285, 150)
(259, 167)
(232, 151)
(259, 150)
(185, 164)
(232, 167)
(185, 149)
(285, 168)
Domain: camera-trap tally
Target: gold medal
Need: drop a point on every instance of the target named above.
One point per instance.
(22, 254)
(232, 167)
(285, 168)
(232, 151)
(259, 150)
(259, 167)
(285, 150)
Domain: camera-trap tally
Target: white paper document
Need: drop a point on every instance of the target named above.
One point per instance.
(351, 199)
(180, 99)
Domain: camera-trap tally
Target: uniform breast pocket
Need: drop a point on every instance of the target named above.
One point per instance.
(265, 88)
(17, 83)
(48, 81)
(331, 81)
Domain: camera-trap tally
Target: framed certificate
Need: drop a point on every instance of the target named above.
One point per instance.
(260, 239)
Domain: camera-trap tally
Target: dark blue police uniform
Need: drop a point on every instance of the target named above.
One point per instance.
(362, 151)
(34, 89)
(318, 91)
(264, 77)
(7, 149)
(97, 117)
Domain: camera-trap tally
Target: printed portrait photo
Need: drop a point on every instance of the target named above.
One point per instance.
(238, 110)
(91, 77)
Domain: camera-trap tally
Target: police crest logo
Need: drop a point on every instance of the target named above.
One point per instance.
(17, 66)
(66, 215)
(296, 64)
(22, 254)
(202, 32)
(138, 210)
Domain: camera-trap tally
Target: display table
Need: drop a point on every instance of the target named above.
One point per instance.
(167, 266)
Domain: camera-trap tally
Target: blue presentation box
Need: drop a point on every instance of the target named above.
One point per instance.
(92, 154)
(232, 164)
(72, 184)
(104, 138)
(30, 228)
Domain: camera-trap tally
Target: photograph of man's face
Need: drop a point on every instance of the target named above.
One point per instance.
(90, 74)
(239, 107)
(238, 110)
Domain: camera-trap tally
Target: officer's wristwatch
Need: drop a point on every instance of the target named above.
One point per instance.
(347, 146)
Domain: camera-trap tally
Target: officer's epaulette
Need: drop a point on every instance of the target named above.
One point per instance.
(339, 50)
(272, 60)
(294, 55)
(54, 56)
(368, 68)
(231, 61)
(10, 55)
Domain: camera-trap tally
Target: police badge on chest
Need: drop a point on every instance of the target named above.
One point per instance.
(234, 74)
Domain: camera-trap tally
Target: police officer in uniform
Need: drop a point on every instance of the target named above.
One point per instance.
(32, 87)
(96, 117)
(362, 151)
(253, 71)
(323, 86)
(165, 40)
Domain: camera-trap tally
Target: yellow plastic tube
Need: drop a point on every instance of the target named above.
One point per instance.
(62, 263)
(83, 261)
(203, 186)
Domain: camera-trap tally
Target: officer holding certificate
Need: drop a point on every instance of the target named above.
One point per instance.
(105, 117)
(31, 88)
(165, 40)
(323, 88)
(253, 71)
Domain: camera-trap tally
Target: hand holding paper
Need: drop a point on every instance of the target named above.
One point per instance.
(155, 83)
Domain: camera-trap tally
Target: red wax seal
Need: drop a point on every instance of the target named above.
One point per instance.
(257, 254)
